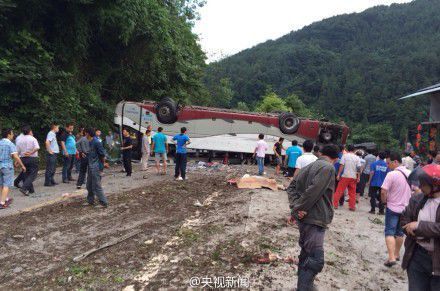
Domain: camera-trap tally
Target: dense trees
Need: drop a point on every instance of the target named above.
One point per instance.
(350, 67)
(64, 60)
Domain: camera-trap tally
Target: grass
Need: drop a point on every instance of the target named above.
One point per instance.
(188, 235)
(79, 271)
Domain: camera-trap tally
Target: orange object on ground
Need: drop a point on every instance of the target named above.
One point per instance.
(257, 182)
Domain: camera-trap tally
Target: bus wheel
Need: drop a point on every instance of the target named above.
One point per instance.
(166, 111)
(288, 122)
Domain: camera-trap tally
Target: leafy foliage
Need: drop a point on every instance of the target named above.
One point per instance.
(73, 60)
(243, 106)
(271, 103)
(350, 67)
(382, 134)
(221, 94)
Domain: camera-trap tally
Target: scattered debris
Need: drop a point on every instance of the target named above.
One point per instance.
(267, 258)
(33, 238)
(17, 270)
(212, 166)
(18, 236)
(198, 204)
(232, 182)
(148, 242)
(290, 260)
(106, 245)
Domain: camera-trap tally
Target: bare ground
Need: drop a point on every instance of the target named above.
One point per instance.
(179, 241)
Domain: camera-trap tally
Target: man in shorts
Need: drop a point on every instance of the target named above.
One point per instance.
(160, 150)
(8, 151)
(396, 194)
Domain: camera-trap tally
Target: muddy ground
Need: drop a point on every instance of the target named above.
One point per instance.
(177, 241)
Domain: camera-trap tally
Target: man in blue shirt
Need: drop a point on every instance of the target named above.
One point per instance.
(182, 140)
(378, 172)
(96, 156)
(68, 145)
(8, 151)
(160, 150)
(292, 154)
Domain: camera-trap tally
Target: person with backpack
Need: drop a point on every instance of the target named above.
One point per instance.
(378, 172)
(395, 194)
(421, 223)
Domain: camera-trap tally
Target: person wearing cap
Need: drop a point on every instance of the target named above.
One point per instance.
(421, 223)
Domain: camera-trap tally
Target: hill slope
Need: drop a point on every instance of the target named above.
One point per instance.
(350, 67)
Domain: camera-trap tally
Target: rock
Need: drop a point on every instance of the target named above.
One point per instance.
(17, 270)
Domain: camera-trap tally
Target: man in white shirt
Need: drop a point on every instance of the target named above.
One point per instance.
(27, 148)
(348, 177)
(52, 151)
(260, 153)
(305, 159)
(146, 149)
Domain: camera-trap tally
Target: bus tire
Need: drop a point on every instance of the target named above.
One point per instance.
(166, 111)
(288, 122)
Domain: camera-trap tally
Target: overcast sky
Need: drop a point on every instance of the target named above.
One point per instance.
(229, 26)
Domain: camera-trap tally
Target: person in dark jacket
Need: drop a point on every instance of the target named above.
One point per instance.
(83, 146)
(95, 156)
(421, 223)
(310, 198)
(127, 149)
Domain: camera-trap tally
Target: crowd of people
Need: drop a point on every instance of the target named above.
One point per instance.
(404, 188)
(85, 152)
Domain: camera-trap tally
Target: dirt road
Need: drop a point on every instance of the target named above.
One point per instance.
(213, 242)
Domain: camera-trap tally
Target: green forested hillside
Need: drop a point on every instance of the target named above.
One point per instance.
(350, 67)
(73, 60)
